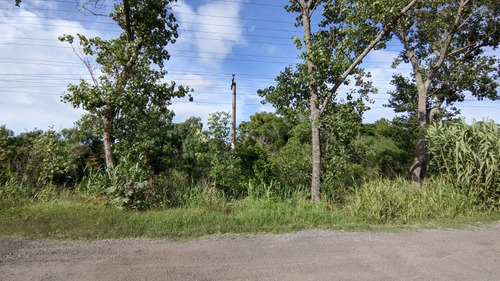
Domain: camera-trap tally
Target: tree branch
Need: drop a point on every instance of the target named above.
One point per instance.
(445, 48)
(358, 60)
(473, 46)
(470, 16)
(434, 109)
(87, 64)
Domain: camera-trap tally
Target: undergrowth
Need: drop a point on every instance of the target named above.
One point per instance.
(377, 205)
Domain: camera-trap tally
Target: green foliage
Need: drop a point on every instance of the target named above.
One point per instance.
(380, 154)
(224, 174)
(161, 142)
(469, 157)
(130, 91)
(254, 164)
(339, 133)
(379, 206)
(7, 152)
(53, 159)
(293, 163)
(384, 149)
(130, 184)
(218, 147)
(94, 183)
(273, 150)
(37, 159)
(268, 130)
(12, 193)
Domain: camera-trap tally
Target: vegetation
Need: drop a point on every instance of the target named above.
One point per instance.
(128, 93)
(145, 176)
(381, 205)
(469, 157)
(446, 43)
(349, 31)
(258, 188)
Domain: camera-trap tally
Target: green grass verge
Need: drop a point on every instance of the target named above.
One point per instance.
(67, 220)
(380, 206)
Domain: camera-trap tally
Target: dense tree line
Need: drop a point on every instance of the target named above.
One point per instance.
(270, 149)
(127, 148)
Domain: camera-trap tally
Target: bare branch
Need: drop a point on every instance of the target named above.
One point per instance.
(87, 64)
(98, 4)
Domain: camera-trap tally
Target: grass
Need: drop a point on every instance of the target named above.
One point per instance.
(400, 201)
(380, 205)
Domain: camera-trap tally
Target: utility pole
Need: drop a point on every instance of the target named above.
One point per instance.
(233, 125)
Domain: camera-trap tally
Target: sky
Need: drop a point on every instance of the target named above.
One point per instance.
(218, 38)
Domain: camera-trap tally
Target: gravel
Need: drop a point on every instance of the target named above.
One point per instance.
(472, 254)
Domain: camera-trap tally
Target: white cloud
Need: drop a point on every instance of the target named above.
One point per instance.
(214, 29)
(194, 81)
(378, 63)
(36, 68)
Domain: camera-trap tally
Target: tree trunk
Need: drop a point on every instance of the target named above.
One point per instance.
(418, 167)
(419, 164)
(128, 27)
(315, 111)
(316, 159)
(110, 110)
(109, 139)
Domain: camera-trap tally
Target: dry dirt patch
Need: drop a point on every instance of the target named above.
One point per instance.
(308, 255)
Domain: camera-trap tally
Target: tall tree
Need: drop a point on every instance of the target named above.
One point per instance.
(129, 80)
(349, 31)
(446, 42)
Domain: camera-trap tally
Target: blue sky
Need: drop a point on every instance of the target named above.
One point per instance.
(251, 39)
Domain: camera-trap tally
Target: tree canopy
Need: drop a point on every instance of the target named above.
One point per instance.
(450, 47)
(348, 31)
(128, 84)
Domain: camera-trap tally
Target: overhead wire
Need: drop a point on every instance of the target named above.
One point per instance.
(240, 76)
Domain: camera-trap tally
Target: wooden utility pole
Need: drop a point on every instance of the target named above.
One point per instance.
(233, 124)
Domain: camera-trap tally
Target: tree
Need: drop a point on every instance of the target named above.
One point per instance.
(446, 43)
(7, 152)
(221, 164)
(267, 130)
(128, 85)
(349, 31)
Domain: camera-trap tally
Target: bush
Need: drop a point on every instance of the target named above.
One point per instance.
(131, 185)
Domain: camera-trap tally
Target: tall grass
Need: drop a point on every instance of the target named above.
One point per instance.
(401, 201)
(378, 205)
(13, 193)
(469, 157)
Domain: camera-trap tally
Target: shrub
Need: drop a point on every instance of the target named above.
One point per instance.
(131, 185)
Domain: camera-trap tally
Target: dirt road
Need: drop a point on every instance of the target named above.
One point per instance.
(309, 255)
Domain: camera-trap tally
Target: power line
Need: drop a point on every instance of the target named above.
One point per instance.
(181, 13)
(223, 1)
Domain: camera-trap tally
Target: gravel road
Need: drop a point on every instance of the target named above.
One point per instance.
(308, 255)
